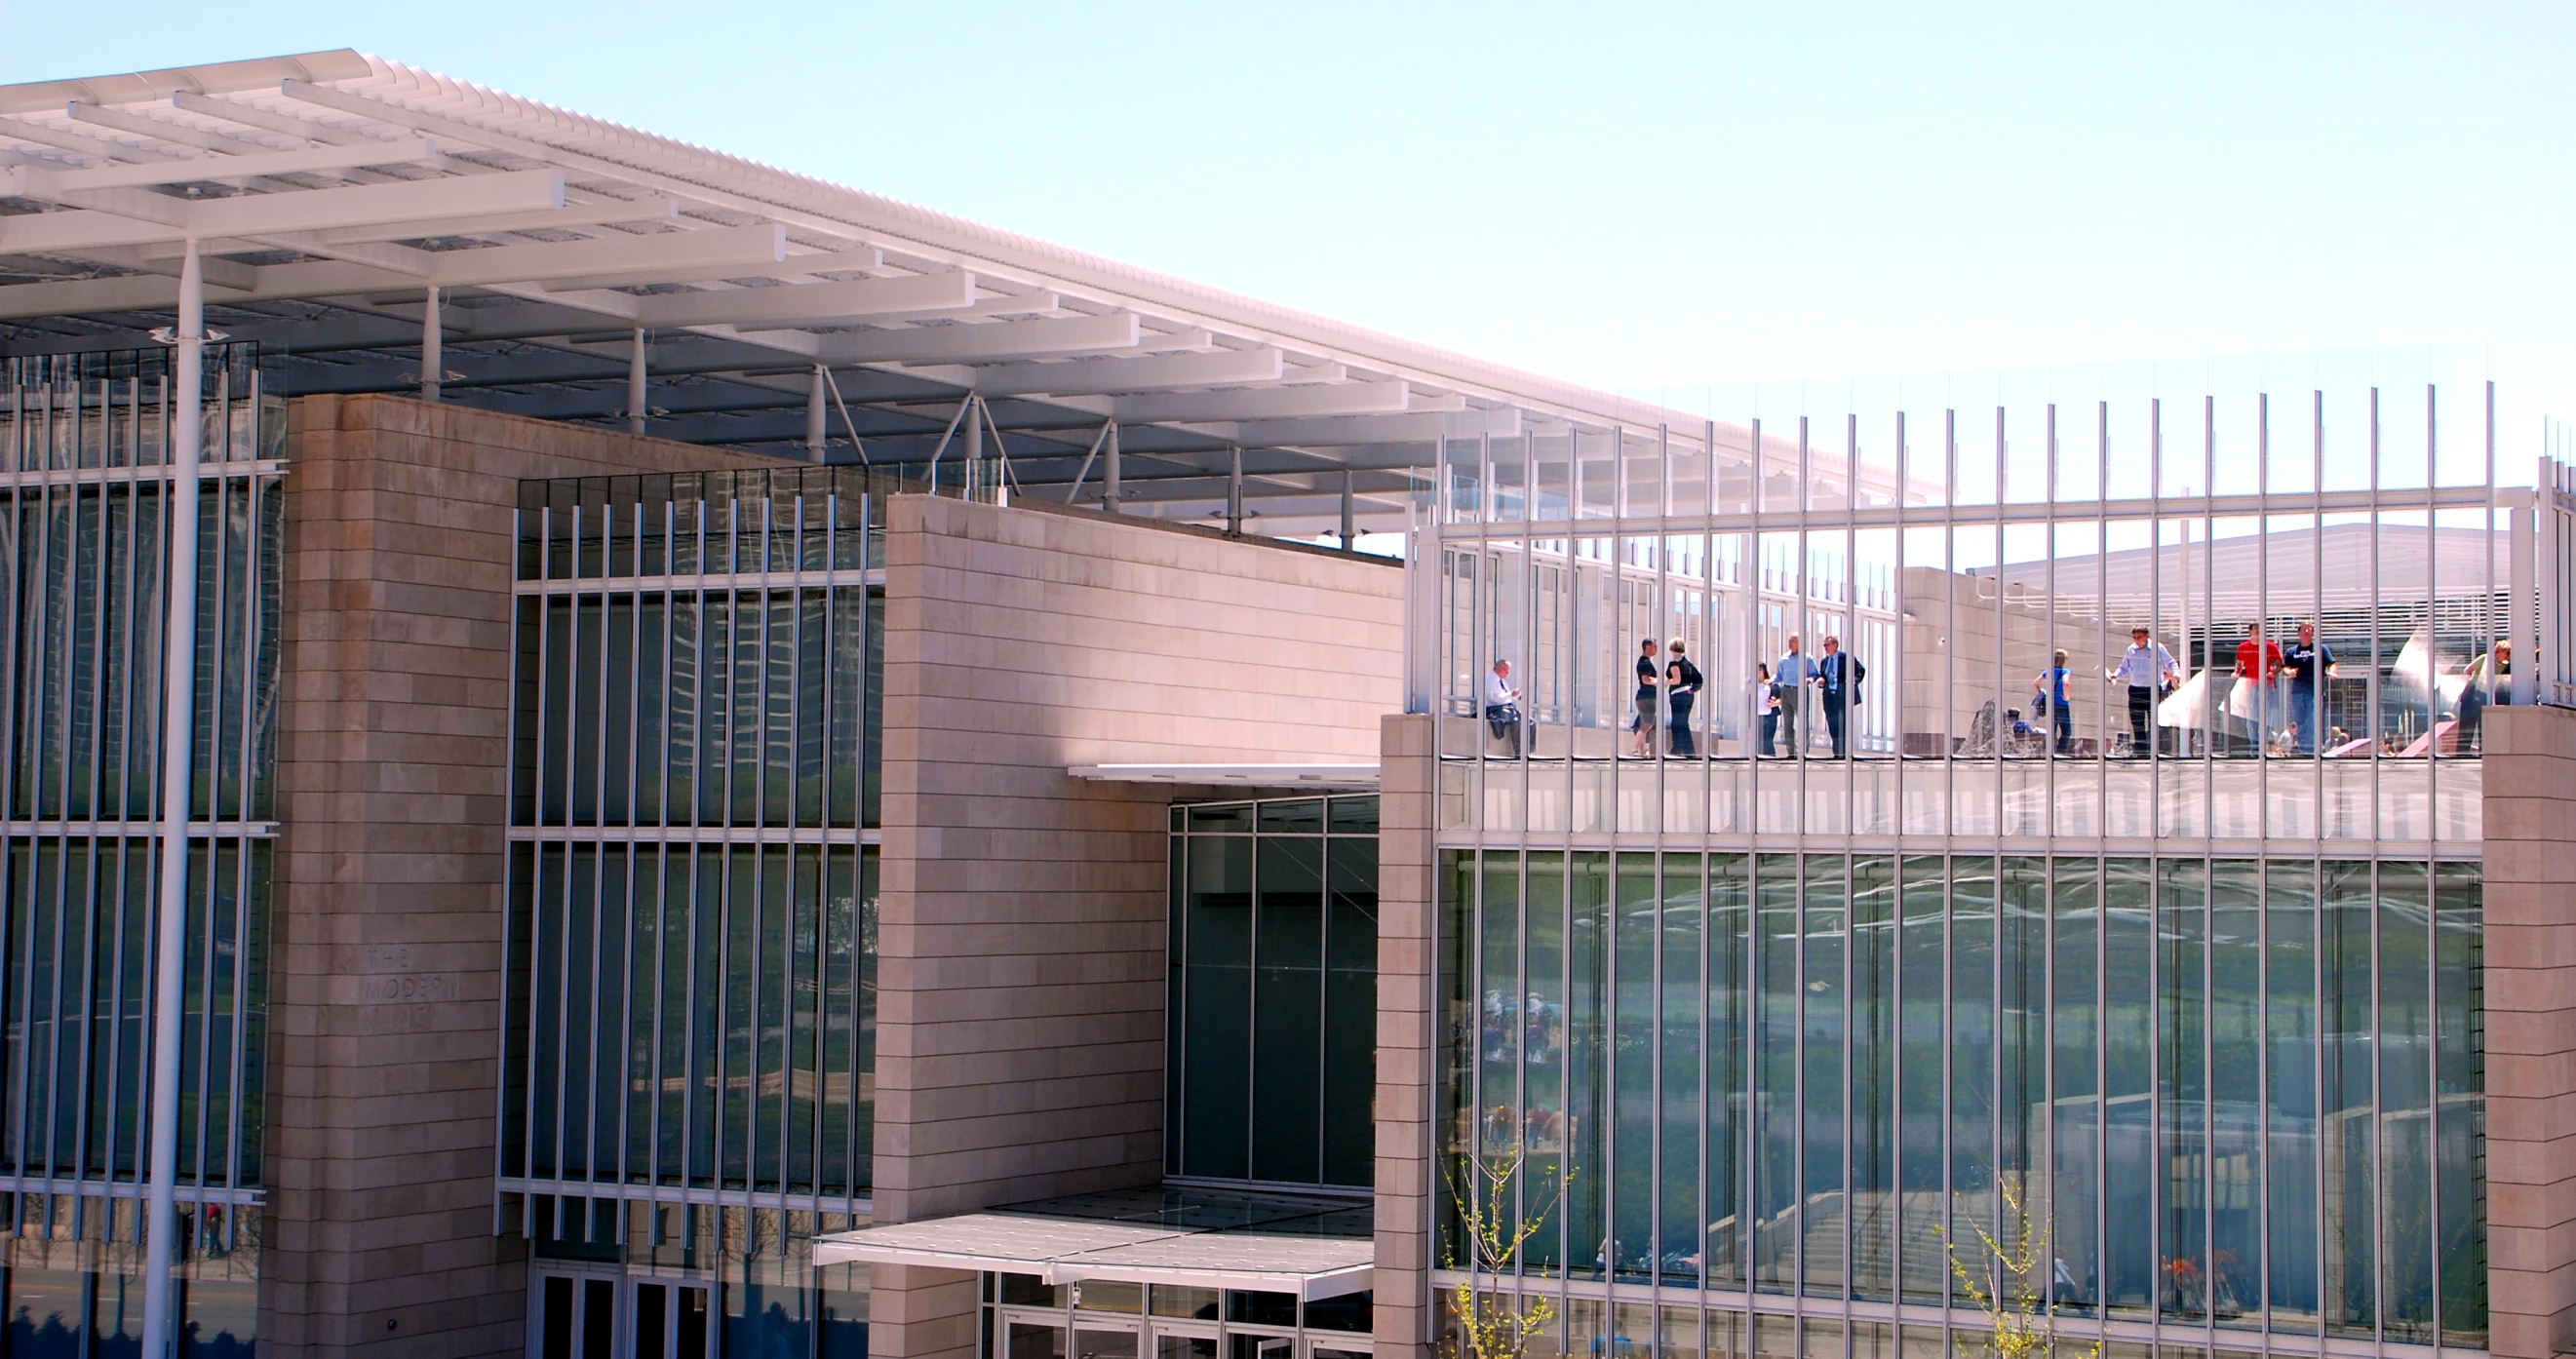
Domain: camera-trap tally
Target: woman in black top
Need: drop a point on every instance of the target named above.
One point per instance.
(1681, 690)
(1643, 725)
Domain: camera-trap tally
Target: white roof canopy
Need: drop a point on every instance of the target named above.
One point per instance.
(331, 192)
(1276, 1245)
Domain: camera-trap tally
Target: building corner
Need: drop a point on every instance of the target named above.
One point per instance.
(2530, 986)
(1407, 914)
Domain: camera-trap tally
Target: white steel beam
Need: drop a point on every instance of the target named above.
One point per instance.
(1265, 403)
(1026, 304)
(1107, 377)
(72, 297)
(831, 262)
(204, 106)
(133, 126)
(464, 133)
(172, 218)
(604, 212)
(990, 343)
(810, 303)
(54, 185)
(92, 147)
(750, 247)
(1331, 431)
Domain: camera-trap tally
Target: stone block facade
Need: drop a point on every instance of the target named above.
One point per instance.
(1407, 923)
(2531, 1030)
(1022, 912)
(392, 781)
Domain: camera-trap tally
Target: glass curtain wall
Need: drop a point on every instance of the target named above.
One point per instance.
(2319, 570)
(1273, 970)
(84, 548)
(1864, 944)
(2243, 1096)
(692, 933)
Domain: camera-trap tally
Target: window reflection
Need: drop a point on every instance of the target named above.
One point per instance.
(2243, 1088)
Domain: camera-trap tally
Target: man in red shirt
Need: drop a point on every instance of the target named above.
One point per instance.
(2258, 662)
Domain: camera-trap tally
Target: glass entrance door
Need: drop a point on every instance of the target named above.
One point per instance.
(670, 1320)
(1094, 1338)
(579, 1316)
(575, 1317)
(1183, 1341)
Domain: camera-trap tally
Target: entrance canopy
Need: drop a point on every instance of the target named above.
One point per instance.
(1192, 1238)
(1348, 776)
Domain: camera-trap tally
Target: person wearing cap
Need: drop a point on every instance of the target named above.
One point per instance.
(2048, 695)
(2147, 668)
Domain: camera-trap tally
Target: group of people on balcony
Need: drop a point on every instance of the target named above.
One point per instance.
(2274, 697)
(1779, 696)
(1668, 687)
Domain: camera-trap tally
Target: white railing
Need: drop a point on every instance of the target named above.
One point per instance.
(2545, 587)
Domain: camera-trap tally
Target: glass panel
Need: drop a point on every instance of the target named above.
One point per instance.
(1824, 991)
(1102, 1295)
(1922, 1101)
(1678, 1070)
(1587, 1063)
(1022, 1340)
(2348, 1147)
(1287, 998)
(1730, 1001)
(1092, 1344)
(2290, 1078)
(1635, 931)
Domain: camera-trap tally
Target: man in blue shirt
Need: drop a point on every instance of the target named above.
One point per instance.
(1790, 677)
(2048, 691)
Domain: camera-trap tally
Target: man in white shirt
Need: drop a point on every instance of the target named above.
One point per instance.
(2147, 668)
(1503, 707)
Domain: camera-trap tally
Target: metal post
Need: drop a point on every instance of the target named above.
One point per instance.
(431, 359)
(1111, 495)
(1349, 535)
(635, 385)
(178, 716)
(974, 446)
(2526, 593)
(1233, 491)
(814, 418)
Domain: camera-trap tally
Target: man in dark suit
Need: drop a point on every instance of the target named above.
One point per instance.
(1839, 675)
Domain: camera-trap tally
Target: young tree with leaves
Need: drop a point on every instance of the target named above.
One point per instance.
(1493, 1322)
(2023, 1318)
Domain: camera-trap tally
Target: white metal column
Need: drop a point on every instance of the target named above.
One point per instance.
(1112, 492)
(432, 357)
(178, 720)
(814, 418)
(637, 387)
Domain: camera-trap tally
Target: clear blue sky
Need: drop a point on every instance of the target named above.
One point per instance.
(1624, 196)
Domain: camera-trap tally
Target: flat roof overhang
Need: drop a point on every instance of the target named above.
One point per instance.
(353, 216)
(1193, 1239)
(1349, 777)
